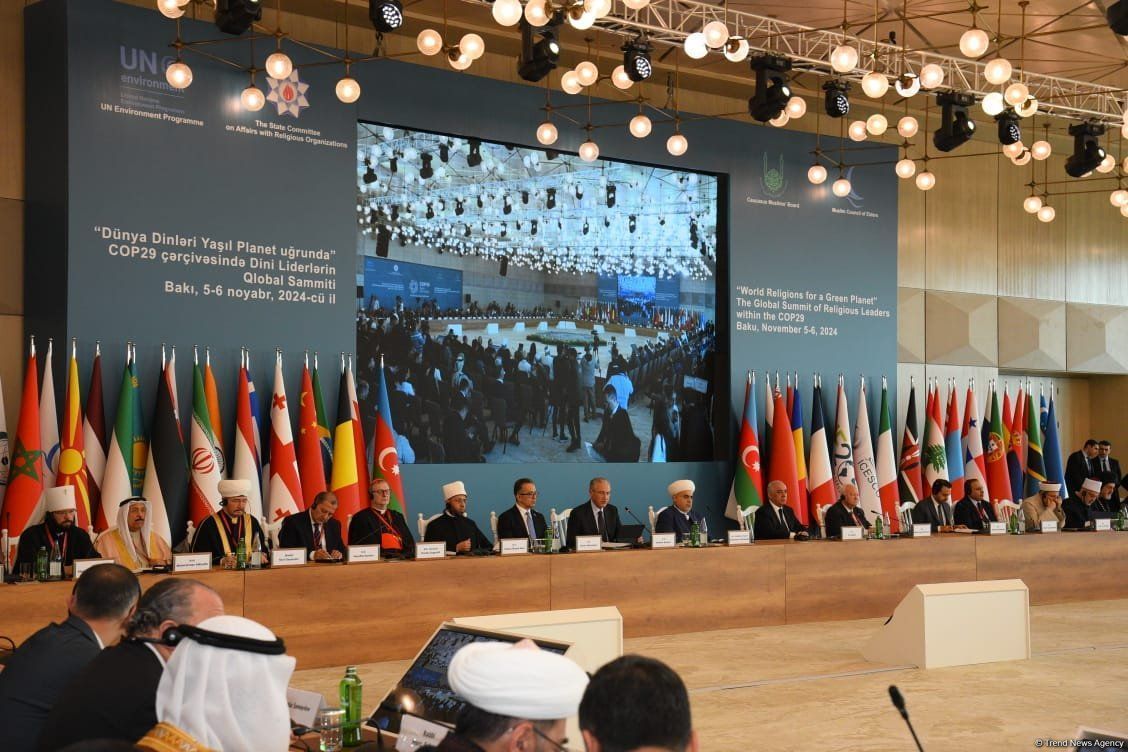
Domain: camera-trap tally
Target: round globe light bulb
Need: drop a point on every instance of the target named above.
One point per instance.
(1023, 158)
(620, 78)
(780, 120)
(1119, 197)
(816, 174)
(570, 83)
(589, 151)
(1040, 150)
(1031, 204)
(587, 73)
(931, 76)
(1016, 94)
(252, 99)
(1027, 108)
(348, 90)
(905, 168)
(1124, 211)
(716, 34)
(1013, 150)
(1108, 164)
(636, 4)
(598, 8)
(461, 61)
(170, 8)
(1124, 130)
(430, 42)
(998, 71)
(536, 13)
(841, 188)
(1047, 213)
(547, 133)
(875, 85)
(178, 75)
(640, 126)
(507, 12)
(844, 58)
(472, 45)
(876, 124)
(857, 130)
(993, 104)
(796, 107)
(677, 144)
(736, 51)
(974, 43)
(926, 181)
(907, 85)
(581, 21)
(908, 126)
(695, 45)
(279, 65)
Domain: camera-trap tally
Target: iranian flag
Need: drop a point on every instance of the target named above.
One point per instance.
(747, 481)
(311, 468)
(166, 472)
(953, 448)
(975, 465)
(842, 446)
(908, 478)
(783, 467)
(94, 441)
(23, 500)
(128, 450)
(205, 454)
(386, 464)
(49, 420)
(72, 460)
(865, 465)
(821, 476)
(285, 486)
(247, 463)
(998, 474)
(934, 457)
(887, 463)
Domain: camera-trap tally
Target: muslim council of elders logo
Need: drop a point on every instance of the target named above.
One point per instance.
(288, 94)
(772, 181)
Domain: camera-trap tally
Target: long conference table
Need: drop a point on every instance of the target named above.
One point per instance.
(333, 615)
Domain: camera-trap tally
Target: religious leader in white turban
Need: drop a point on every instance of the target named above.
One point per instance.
(217, 696)
(223, 532)
(517, 697)
(679, 517)
(132, 542)
(1044, 506)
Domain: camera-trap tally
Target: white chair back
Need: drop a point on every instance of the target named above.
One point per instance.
(906, 513)
(493, 529)
(820, 512)
(1005, 509)
(190, 537)
(424, 522)
(746, 517)
(561, 522)
(654, 515)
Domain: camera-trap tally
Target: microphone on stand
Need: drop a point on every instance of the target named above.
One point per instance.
(899, 703)
(636, 519)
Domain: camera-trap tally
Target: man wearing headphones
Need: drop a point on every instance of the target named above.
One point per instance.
(221, 533)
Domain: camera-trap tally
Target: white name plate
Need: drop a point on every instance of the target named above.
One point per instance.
(415, 732)
(200, 562)
(304, 706)
(588, 543)
(1049, 526)
(1101, 523)
(288, 557)
(996, 528)
(739, 537)
(663, 540)
(851, 532)
(512, 546)
(81, 565)
(430, 550)
(362, 554)
(922, 530)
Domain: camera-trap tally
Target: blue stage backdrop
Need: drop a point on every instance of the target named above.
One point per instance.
(158, 216)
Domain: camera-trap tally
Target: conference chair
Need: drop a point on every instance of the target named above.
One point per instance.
(820, 512)
(1005, 509)
(560, 524)
(746, 517)
(906, 511)
(493, 528)
(654, 516)
(423, 523)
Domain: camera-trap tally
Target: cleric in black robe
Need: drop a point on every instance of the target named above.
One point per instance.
(678, 518)
(57, 531)
(460, 533)
(221, 533)
(378, 525)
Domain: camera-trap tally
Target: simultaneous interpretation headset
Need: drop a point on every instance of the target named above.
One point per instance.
(173, 636)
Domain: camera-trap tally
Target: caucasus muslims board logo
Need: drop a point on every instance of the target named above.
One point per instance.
(288, 94)
(772, 181)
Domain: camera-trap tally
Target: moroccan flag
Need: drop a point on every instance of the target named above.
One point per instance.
(747, 481)
(1035, 462)
(783, 467)
(285, 486)
(4, 463)
(246, 463)
(345, 481)
(1014, 443)
(72, 460)
(211, 396)
(166, 472)
(311, 468)
(796, 413)
(865, 465)
(908, 478)
(933, 456)
(94, 441)
(49, 420)
(323, 432)
(25, 481)
(205, 454)
(843, 446)
(998, 475)
(887, 463)
(953, 446)
(1051, 446)
(128, 450)
(386, 465)
(975, 465)
(358, 433)
(821, 475)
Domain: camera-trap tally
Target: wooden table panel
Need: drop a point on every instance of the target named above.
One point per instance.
(679, 590)
(1058, 568)
(338, 615)
(835, 580)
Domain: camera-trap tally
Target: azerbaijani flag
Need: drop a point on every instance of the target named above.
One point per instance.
(747, 482)
(386, 464)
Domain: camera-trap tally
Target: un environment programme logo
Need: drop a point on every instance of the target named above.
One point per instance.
(772, 180)
(288, 94)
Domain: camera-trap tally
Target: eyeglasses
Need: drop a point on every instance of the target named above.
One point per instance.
(528, 493)
(560, 746)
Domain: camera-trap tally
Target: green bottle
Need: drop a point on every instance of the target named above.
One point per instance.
(548, 537)
(878, 531)
(695, 535)
(351, 690)
(41, 564)
(241, 555)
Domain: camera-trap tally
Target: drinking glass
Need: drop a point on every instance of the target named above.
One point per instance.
(329, 722)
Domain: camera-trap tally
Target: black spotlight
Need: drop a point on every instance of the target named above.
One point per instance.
(539, 52)
(369, 173)
(550, 199)
(1009, 132)
(426, 171)
(386, 15)
(636, 60)
(611, 191)
(955, 125)
(837, 99)
(772, 91)
(1117, 15)
(236, 16)
(1087, 152)
(474, 156)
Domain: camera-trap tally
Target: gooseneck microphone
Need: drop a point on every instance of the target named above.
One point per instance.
(899, 703)
(636, 519)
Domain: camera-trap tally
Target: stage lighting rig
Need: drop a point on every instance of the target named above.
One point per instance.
(539, 51)
(1009, 130)
(1087, 151)
(956, 128)
(386, 15)
(772, 91)
(636, 60)
(236, 16)
(837, 99)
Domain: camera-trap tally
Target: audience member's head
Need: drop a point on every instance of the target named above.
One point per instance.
(849, 495)
(173, 601)
(636, 703)
(1089, 490)
(104, 597)
(1090, 448)
(1104, 447)
(517, 695)
(941, 490)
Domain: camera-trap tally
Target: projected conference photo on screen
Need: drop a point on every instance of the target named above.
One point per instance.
(528, 306)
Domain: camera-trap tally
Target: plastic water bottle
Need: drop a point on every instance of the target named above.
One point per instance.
(256, 553)
(41, 564)
(351, 691)
(885, 524)
(55, 564)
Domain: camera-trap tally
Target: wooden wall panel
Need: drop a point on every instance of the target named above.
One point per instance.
(1031, 253)
(960, 237)
(911, 221)
(12, 95)
(1095, 242)
(11, 256)
(11, 369)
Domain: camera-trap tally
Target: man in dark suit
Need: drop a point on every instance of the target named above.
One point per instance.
(936, 509)
(1108, 466)
(616, 441)
(775, 520)
(596, 517)
(973, 510)
(522, 520)
(679, 517)
(1084, 506)
(99, 609)
(114, 697)
(845, 513)
(459, 532)
(315, 530)
(1082, 464)
(379, 524)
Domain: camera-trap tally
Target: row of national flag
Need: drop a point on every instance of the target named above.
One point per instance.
(1010, 451)
(178, 466)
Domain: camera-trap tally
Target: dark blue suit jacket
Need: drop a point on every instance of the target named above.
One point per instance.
(670, 520)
